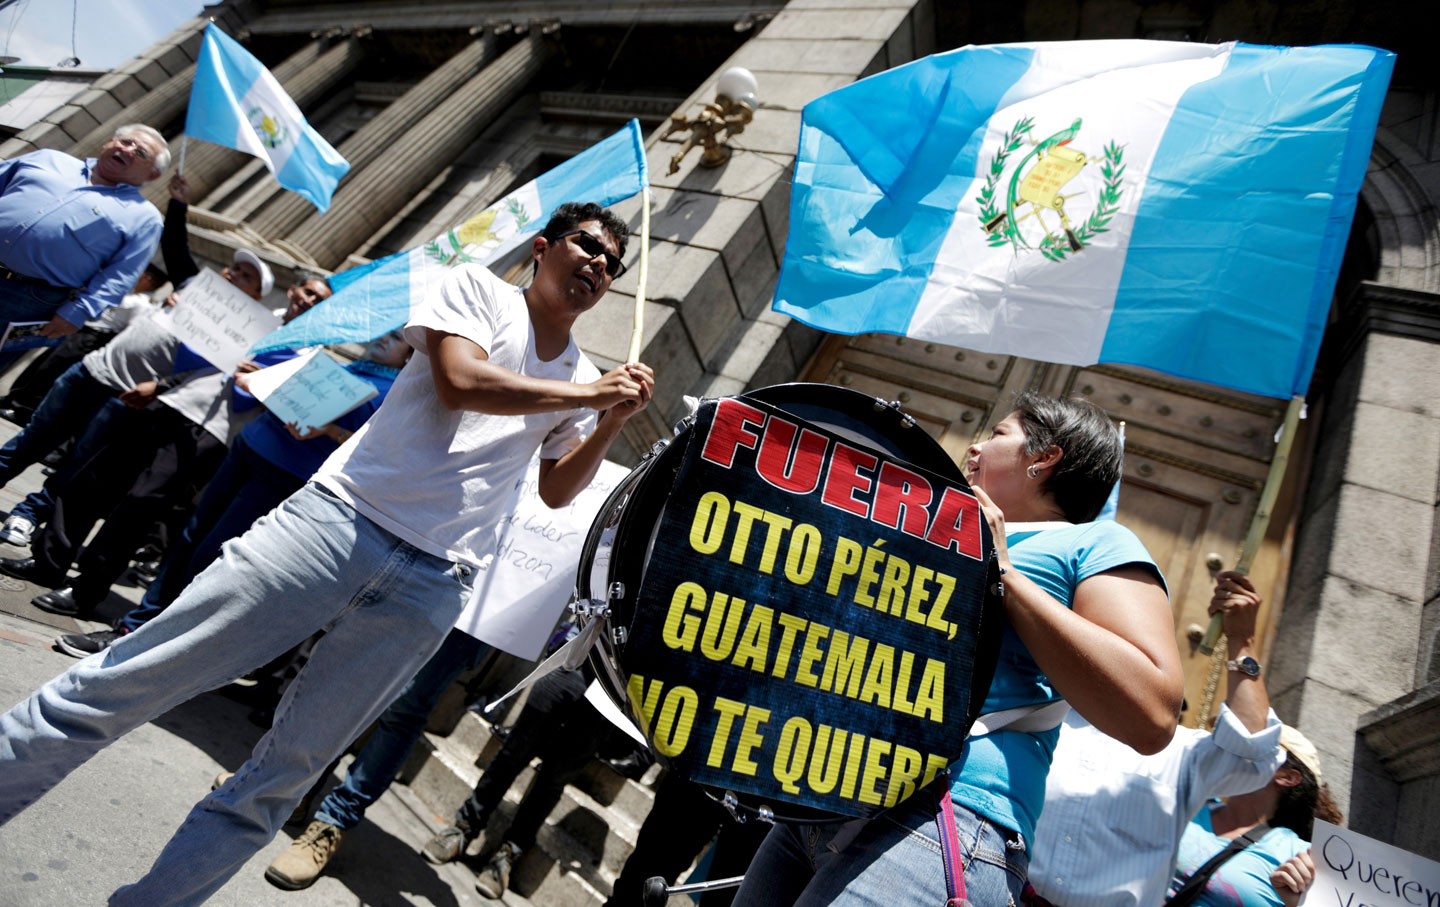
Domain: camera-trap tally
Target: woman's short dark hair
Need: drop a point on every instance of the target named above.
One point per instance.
(1090, 450)
(571, 215)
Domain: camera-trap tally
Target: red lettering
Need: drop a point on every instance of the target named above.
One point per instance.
(798, 472)
(844, 479)
(902, 491)
(957, 523)
(731, 429)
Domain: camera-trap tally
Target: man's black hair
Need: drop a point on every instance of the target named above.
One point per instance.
(1090, 463)
(571, 215)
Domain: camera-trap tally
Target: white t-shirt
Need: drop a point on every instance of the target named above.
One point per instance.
(438, 479)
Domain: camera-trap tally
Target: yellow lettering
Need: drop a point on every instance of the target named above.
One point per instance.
(644, 699)
(878, 677)
(919, 595)
(844, 664)
(904, 769)
(746, 514)
(891, 598)
(707, 530)
(852, 766)
(869, 575)
(680, 628)
(902, 684)
(874, 771)
(720, 649)
(803, 554)
(775, 524)
(728, 710)
(810, 652)
(934, 765)
(936, 620)
(930, 698)
(754, 643)
(750, 737)
(847, 561)
(789, 626)
(677, 720)
(825, 769)
(792, 753)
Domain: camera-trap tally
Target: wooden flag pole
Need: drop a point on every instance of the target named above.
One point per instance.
(638, 335)
(180, 164)
(1261, 523)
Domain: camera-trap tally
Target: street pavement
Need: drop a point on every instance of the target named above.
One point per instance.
(103, 826)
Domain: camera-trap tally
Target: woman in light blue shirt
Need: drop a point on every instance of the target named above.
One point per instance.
(1088, 619)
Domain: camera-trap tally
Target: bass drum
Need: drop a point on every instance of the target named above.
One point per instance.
(618, 547)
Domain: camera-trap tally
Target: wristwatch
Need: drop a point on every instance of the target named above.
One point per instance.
(1245, 665)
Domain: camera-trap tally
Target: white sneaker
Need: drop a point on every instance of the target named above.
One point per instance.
(16, 531)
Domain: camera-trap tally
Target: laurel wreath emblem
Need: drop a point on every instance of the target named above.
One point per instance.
(1112, 171)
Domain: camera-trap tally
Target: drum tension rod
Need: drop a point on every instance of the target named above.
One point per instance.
(906, 420)
(592, 609)
(732, 803)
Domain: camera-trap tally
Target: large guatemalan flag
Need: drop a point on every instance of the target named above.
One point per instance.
(376, 297)
(236, 102)
(1182, 207)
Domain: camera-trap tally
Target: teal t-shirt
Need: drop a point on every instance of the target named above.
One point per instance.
(1244, 879)
(1001, 776)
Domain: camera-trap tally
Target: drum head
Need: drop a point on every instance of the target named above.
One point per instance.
(800, 587)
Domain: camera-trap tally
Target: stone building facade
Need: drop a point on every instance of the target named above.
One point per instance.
(443, 105)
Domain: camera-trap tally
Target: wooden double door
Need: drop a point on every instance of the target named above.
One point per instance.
(1196, 458)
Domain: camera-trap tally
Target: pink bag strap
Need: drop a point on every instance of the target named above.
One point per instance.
(950, 847)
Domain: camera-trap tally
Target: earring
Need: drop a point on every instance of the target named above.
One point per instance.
(1032, 471)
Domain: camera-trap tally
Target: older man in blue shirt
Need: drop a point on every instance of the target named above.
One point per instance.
(75, 235)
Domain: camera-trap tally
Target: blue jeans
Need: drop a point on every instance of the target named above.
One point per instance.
(22, 302)
(66, 411)
(313, 562)
(396, 731)
(245, 488)
(894, 860)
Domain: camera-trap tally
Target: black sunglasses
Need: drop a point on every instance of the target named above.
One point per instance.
(592, 247)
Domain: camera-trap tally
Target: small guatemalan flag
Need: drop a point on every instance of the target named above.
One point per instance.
(1182, 207)
(236, 102)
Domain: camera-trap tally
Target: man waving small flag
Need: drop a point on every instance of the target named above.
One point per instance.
(236, 102)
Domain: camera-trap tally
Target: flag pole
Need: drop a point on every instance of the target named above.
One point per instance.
(638, 335)
(180, 164)
(1261, 522)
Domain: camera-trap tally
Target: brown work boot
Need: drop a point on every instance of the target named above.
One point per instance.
(303, 861)
(495, 877)
(447, 845)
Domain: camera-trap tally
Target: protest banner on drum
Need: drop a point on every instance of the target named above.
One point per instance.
(218, 321)
(807, 624)
(521, 593)
(1352, 870)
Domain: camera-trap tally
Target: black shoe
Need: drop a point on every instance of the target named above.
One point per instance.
(25, 568)
(63, 601)
(82, 644)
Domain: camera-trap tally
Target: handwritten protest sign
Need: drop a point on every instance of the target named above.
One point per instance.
(25, 335)
(1352, 870)
(310, 390)
(806, 629)
(218, 321)
(522, 593)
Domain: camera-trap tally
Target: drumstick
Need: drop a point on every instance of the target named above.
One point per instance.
(639, 333)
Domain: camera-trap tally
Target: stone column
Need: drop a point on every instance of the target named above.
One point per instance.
(285, 210)
(1351, 637)
(306, 75)
(376, 192)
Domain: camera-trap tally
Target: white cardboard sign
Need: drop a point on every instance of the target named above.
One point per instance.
(312, 390)
(1352, 870)
(521, 594)
(218, 321)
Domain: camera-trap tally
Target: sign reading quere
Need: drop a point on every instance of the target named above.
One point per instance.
(1352, 870)
(218, 321)
(521, 594)
(806, 628)
(315, 393)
